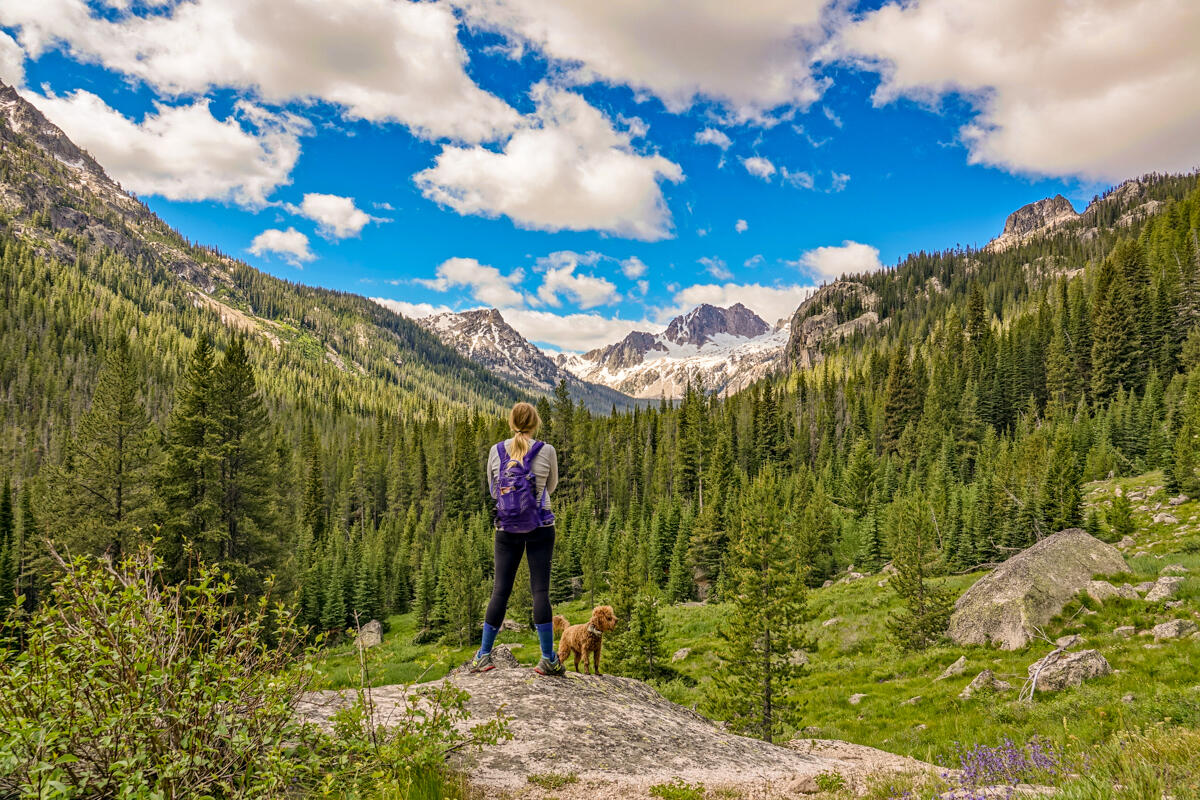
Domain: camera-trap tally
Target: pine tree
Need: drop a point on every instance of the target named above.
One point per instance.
(464, 593)
(870, 553)
(901, 399)
(767, 611)
(927, 608)
(8, 541)
(680, 585)
(1061, 500)
(1120, 518)
(642, 648)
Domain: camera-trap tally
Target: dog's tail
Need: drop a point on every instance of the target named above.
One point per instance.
(560, 624)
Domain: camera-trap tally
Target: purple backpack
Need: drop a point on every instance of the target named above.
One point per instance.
(518, 509)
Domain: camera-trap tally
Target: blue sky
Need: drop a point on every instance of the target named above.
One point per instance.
(596, 168)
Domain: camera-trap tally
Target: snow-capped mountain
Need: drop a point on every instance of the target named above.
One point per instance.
(715, 349)
(483, 336)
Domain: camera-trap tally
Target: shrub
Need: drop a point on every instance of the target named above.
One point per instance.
(127, 687)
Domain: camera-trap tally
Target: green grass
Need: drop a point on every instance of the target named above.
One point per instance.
(1153, 689)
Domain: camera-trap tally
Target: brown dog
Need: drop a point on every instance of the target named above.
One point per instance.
(584, 639)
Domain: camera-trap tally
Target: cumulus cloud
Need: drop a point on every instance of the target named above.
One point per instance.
(633, 267)
(713, 136)
(759, 167)
(834, 262)
(801, 180)
(12, 61)
(741, 226)
(1101, 90)
(772, 303)
(379, 60)
(411, 310)
(183, 152)
(573, 332)
(560, 278)
(336, 217)
(751, 56)
(291, 244)
(567, 168)
(838, 181)
(486, 283)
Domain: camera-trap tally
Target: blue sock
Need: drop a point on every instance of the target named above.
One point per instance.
(489, 638)
(545, 631)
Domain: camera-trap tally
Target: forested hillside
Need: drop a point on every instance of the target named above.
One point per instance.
(154, 389)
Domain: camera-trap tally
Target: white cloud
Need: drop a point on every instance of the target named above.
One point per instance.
(573, 332)
(754, 260)
(633, 267)
(834, 262)
(486, 283)
(801, 180)
(741, 226)
(1104, 90)
(750, 56)
(567, 168)
(716, 267)
(832, 116)
(12, 61)
(588, 291)
(713, 136)
(772, 303)
(183, 152)
(411, 310)
(336, 217)
(759, 167)
(838, 181)
(291, 244)
(380, 60)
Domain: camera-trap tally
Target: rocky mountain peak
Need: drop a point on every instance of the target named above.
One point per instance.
(23, 118)
(1035, 218)
(702, 323)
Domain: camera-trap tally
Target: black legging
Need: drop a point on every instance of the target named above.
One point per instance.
(539, 546)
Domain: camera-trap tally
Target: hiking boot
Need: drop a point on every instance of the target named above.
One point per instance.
(550, 667)
(482, 662)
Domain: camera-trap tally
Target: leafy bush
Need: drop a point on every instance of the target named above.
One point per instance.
(678, 789)
(127, 687)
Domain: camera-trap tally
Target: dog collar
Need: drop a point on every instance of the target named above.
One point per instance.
(593, 630)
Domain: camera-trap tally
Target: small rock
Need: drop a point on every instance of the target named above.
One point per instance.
(1062, 669)
(1146, 632)
(957, 668)
(1124, 632)
(1101, 590)
(1173, 604)
(1087, 612)
(912, 701)
(882, 583)
(983, 681)
(515, 646)
(855, 699)
(681, 654)
(831, 621)
(511, 625)
(1144, 587)
(1178, 500)
(1173, 569)
(888, 569)
(1125, 543)
(798, 658)
(1164, 588)
(920, 727)
(1163, 518)
(1154, 646)
(1128, 592)
(1127, 698)
(852, 576)
(1068, 641)
(370, 635)
(826, 584)
(1175, 629)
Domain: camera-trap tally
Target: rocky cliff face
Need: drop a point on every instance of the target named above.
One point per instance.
(715, 349)
(838, 310)
(1032, 220)
(619, 737)
(483, 336)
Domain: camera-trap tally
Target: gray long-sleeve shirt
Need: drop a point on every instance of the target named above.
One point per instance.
(545, 471)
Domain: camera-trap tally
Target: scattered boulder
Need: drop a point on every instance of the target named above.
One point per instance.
(912, 701)
(1163, 518)
(1101, 590)
(1173, 604)
(681, 654)
(827, 584)
(984, 681)
(1030, 588)
(831, 621)
(1164, 588)
(957, 668)
(798, 658)
(1173, 569)
(1175, 629)
(1144, 587)
(1061, 669)
(855, 699)
(511, 625)
(1124, 631)
(1068, 641)
(1178, 500)
(576, 587)
(852, 576)
(1127, 699)
(1128, 592)
(1126, 542)
(370, 635)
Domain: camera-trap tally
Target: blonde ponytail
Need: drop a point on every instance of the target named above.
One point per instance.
(524, 422)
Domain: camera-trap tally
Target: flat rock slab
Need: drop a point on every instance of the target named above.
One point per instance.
(618, 737)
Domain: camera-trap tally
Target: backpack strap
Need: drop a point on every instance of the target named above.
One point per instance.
(534, 447)
(503, 453)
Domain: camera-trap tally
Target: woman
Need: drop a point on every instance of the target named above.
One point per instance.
(522, 473)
